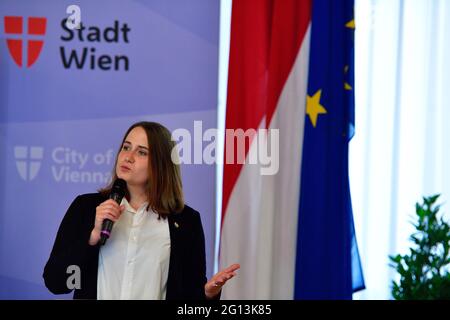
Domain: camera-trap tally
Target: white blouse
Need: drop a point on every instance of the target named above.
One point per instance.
(134, 262)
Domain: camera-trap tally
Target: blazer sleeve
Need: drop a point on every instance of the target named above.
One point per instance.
(197, 270)
(71, 247)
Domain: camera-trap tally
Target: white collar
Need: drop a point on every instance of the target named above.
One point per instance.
(129, 208)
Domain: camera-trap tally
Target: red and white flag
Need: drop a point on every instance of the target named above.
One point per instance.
(267, 83)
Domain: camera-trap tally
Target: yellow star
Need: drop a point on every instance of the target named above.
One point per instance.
(350, 24)
(314, 108)
(346, 85)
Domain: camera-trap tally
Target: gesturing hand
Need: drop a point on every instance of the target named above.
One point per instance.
(215, 284)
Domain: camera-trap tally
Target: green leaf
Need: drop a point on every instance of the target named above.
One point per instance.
(425, 271)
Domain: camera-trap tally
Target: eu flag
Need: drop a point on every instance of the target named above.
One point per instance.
(328, 265)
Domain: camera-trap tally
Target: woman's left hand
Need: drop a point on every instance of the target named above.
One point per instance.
(215, 284)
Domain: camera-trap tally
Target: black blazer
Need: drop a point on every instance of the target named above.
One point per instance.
(187, 265)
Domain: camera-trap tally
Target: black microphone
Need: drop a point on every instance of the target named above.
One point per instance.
(117, 194)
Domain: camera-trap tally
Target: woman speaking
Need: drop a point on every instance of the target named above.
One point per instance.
(156, 249)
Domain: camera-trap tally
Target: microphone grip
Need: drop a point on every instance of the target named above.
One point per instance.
(106, 230)
(118, 191)
(116, 197)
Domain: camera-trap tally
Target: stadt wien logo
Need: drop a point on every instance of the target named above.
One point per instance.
(24, 41)
(28, 161)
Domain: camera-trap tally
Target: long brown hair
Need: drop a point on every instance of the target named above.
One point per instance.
(164, 187)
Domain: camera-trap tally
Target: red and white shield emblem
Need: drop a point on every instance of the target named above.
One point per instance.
(35, 30)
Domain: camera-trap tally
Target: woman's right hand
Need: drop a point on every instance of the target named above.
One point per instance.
(108, 209)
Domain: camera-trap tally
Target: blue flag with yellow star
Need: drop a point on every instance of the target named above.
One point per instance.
(328, 264)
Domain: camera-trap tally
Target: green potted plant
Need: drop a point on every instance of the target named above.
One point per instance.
(425, 271)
